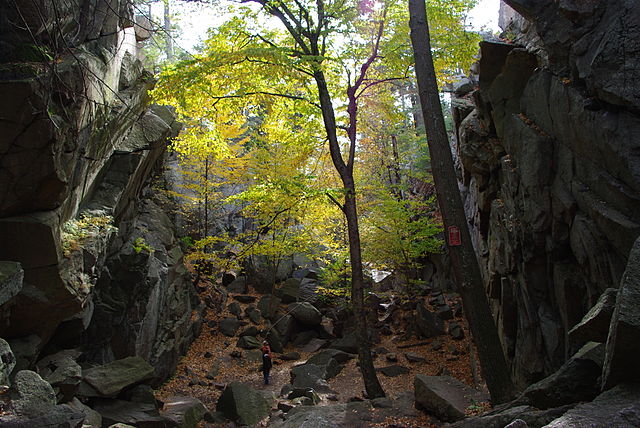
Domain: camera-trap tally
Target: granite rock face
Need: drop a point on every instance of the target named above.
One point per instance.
(78, 144)
(623, 346)
(550, 160)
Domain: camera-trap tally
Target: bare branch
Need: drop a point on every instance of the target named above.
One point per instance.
(339, 205)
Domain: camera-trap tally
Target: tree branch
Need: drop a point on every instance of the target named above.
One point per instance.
(332, 199)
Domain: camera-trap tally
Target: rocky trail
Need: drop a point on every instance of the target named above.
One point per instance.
(215, 360)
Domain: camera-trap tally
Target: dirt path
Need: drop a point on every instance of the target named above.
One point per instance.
(441, 355)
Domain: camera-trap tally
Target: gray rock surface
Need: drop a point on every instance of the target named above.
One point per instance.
(249, 342)
(305, 313)
(240, 403)
(348, 343)
(577, 380)
(31, 396)
(61, 416)
(429, 324)
(127, 412)
(63, 373)
(443, 396)
(594, 326)
(7, 362)
(91, 417)
(311, 376)
(623, 344)
(268, 306)
(617, 408)
(87, 149)
(394, 370)
(323, 357)
(11, 276)
(185, 412)
(551, 240)
(500, 418)
(238, 286)
(289, 291)
(109, 379)
(229, 326)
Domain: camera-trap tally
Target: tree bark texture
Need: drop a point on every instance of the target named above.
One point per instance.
(371, 383)
(463, 258)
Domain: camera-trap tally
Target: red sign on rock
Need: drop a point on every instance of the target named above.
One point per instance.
(454, 236)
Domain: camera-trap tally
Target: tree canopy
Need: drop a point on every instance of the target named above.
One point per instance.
(281, 88)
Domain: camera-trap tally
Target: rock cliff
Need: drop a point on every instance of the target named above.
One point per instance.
(549, 144)
(78, 143)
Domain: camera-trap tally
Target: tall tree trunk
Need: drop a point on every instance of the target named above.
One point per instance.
(205, 231)
(371, 383)
(463, 257)
(396, 181)
(167, 31)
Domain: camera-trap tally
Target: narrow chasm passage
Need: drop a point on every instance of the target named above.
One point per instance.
(228, 351)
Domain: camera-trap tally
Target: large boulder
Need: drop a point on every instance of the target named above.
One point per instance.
(185, 412)
(268, 306)
(111, 378)
(310, 376)
(348, 343)
(32, 396)
(577, 380)
(429, 324)
(289, 291)
(11, 276)
(394, 370)
(618, 407)
(61, 416)
(242, 404)
(238, 285)
(595, 324)
(445, 397)
(127, 412)
(229, 326)
(312, 273)
(304, 337)
(308, 290)
(253, 314)
(249, 342)
(63, 373)
(7, 362)
(305, 313)
(91, 417)
(323, 357)
(501, 417)
(25, 350)
(314, 345)
(623, 344)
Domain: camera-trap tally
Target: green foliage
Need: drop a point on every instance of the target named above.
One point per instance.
(186, 243)
(76, 232)
(140, 245)
(251, 107)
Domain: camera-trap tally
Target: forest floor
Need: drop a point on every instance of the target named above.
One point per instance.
(443, 355)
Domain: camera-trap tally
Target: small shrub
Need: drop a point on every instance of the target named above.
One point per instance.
(140, 245)
(76, 231)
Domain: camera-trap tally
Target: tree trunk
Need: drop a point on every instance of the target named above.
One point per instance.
(463, 258)
(167, 31)
(205, 231)
(371, 383)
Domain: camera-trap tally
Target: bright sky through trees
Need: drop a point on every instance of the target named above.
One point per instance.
(195, 19)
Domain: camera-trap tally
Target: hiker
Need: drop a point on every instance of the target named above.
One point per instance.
(266, 361)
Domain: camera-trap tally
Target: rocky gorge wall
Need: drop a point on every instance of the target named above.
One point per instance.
(549, 146)
(89, 257)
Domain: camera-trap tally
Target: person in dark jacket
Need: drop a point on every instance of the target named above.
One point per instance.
(266, 361)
